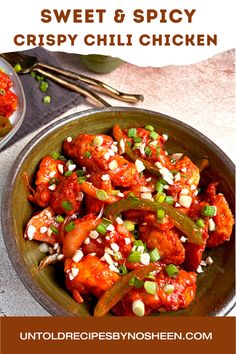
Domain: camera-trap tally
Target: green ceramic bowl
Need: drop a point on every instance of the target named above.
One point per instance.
(100, 64)
(215, 291)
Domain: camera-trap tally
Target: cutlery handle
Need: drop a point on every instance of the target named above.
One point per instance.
(91, 96)
(99, 85)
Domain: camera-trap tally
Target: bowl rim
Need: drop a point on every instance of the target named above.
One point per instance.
(4, 140)
(50, 305)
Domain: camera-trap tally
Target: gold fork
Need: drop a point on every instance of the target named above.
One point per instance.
(29, 63)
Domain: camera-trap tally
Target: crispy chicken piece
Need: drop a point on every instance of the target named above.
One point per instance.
(188, 180)
(183, 292)
(94, 276)
(167, 242)
(103, 159)
(47, 172)
(67, 197)
(38, 228)
(223, 219)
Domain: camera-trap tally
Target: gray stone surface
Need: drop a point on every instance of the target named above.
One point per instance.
(201, 95)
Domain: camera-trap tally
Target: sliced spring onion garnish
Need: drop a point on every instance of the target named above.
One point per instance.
(101, 194)
(132, 132)
(129, 225)
(200, 223)
(209, 210)
(67, 205)
(172, 270)
(154, 255)
(70, 227)
(150, 287)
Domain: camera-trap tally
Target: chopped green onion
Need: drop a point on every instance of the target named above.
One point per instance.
(149, 127)
(138, 243)
(70, 227)
(33, 74)
(137, 139)
(136, 282)
(101, 229)
(132, 132)
(47, 99)
(59, 218)
(101, 194)
(159, 187)
(148, 151)
(129, 225)
(172, 270)
(169, 200)
(55, 155)
(122, 269)
(134, 256)
(150, 287)
(136, 145)
(153, 135)
(80, 173)
(54, 230)
(162, 181)
(40, 78)
(115, 192)
(82, 179)
(200, 223)
(117, 256)
(70, 162)
(209, 210)
(131, 195)
(17, 68)
(87, 154)
(154, 255)
(67, 205)
(43, 86)
(160, 213)
(68, 173)
(160, 197)
(168, 288)
(106, 221)
(2, 92)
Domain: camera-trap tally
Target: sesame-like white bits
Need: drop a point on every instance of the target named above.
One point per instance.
(147, 196)
(139, 166)
(185, 201)
(110, 228)
(158, 165)
(52, 187)
(55, 246)
(31, 231)
(148, 179)
(138, 308)
(165, 137)
(183, 239)
(184, 191)
(209, 261)
(106, 156)
(113, 268)
(105, 177)
(184, 169)
(71, 167)
(177, 205)
(127, 240)
(203, 263)
(177, 177)
(199, 269)
(122, 146)
(60, 168)
(69, 139)
(211, 225)
(94, 234)
(115, 247)
(43, 229)
(73, 273)
(49, 232)
(119, 221)
(87, 241)
(113, 165)
(121, 195)
(145, 258)
(43, 247)
(114, 148)
(107, 258)
(77, 256)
